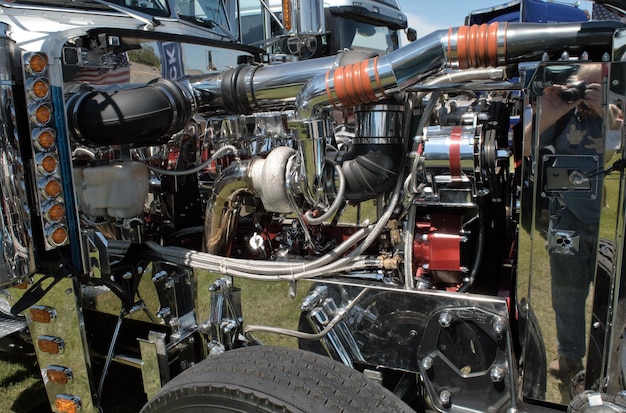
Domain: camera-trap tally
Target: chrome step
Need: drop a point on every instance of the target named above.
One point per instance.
(10, 324)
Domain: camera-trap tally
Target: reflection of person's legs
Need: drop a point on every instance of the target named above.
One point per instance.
(571, 275)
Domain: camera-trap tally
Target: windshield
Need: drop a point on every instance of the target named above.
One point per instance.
(109, 59)
(212, 14)
(342, 32)
(356, 35)
(152, 7)
(209, 13)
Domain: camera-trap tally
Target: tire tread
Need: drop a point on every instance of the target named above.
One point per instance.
(281, 379)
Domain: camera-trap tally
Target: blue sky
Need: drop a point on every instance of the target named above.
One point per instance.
(426, 16)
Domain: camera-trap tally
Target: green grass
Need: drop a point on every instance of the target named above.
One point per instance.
(264, 303)
(21, 385)
(269, 304)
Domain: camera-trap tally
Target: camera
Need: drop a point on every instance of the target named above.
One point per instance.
(574, 92)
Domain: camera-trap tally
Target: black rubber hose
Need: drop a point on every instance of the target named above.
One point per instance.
(141, 115)
(480, 249)
(371, 170)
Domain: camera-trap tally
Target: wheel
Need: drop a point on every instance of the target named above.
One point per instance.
(273, 379)
(602, 402)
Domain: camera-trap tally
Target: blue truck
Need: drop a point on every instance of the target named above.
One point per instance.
(537, 11)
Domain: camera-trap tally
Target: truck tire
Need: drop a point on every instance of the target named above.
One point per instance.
(273, 379)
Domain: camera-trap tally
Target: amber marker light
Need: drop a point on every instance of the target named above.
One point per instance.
(287, 14)
(50, 344)
(22, 286)
(49, 164)
(52, 188)
(58, 236)
(39, 88)
(59, 374)
(44, 138)
(42, 314)
(42, 114)
(37, 63)
(54, 212)
(66, 403)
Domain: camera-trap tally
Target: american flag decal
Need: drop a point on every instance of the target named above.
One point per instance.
(119, 73)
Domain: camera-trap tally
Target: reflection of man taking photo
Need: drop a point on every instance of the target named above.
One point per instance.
(570, 123)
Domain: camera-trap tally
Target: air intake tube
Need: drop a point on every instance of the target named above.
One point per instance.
(494, 44)
(372, 164)
(130, 116)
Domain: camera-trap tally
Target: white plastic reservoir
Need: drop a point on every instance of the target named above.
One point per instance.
(117, 190)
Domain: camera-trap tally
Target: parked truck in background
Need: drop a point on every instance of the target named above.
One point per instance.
(154, 157)
(306, 29)
(536, 11)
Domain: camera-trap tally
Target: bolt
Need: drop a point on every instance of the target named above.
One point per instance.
(427, 363)
(498, 326)
(445, 319)
(445, 397)
(497, 373)
(164, 312)
(228, 326)
(159, 276)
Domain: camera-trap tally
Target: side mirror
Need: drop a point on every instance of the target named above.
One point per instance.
(411, 34)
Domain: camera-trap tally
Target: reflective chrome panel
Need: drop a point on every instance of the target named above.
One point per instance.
(16, 236)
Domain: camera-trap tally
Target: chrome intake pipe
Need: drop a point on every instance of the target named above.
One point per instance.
(373, 164)
(246, 89)
(221, 211)
(346, 80)
(463, 47)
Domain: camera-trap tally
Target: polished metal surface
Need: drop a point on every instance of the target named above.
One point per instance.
(381, 121)
(10, 325)
(451, 339)
(551, 179)
(16, 238)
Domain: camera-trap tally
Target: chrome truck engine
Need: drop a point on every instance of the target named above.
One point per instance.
(407, 192)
